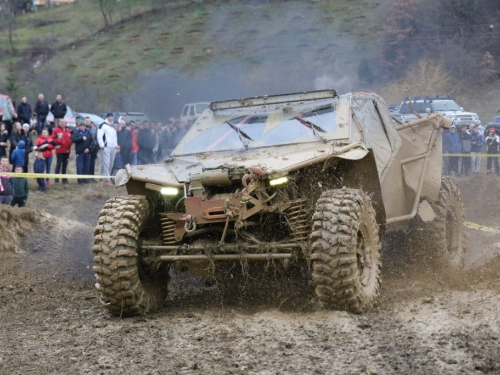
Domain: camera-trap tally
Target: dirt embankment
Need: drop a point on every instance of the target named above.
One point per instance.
(52, 322)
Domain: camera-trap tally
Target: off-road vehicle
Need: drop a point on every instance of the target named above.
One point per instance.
(310, 179)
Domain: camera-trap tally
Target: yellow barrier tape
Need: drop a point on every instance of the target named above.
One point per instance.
(53, 175)
(468, 224)
(481, 155)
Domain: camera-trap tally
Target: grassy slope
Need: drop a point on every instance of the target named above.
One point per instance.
(191, 37)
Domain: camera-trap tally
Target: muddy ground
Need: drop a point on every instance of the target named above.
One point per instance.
(51, 321)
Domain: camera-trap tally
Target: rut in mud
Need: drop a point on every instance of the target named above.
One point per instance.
(52, 321)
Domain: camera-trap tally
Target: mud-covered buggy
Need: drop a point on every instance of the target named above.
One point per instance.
(310, 178)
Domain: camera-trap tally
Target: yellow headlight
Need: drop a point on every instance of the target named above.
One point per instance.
(169, 191)
(278, 181)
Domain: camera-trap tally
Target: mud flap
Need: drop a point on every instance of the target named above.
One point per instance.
(425, 212)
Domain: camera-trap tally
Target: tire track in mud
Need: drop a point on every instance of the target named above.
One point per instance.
(61, 248)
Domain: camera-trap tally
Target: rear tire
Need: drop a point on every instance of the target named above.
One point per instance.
(345, 251)
(442, 241)
(124, 288)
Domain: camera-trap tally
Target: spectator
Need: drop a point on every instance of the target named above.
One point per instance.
(17, 156)
(34, 123)
(5, 182)
(122, 120)
(8, 114)
(58, 109)
(146, 141)
(125, 142)
(91, 126)
(156, 134)
(41, 111)
(84, 144)
(108, 142)
(28, 146)
(4, 136)
(492, 141)
(466, 143)
(16, 136)
(62, 136)
(452, 146)
(44, 146)
(24, 111)
(165, 137)
(477, 143)
(20, 188)
(135, 146)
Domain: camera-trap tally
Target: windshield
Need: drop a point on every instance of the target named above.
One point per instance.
(444, 105)
(200, 107)
(69, 113)
(265, 129)
(419, 107)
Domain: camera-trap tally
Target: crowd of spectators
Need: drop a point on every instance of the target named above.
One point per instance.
(463, 151)
(112, 144)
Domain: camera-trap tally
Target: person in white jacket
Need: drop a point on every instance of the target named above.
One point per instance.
(108, 143)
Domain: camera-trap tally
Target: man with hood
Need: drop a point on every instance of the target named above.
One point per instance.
(17, 156)
(108, 143)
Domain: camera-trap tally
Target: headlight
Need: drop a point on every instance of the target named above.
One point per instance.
(278, 181)
(169, 191)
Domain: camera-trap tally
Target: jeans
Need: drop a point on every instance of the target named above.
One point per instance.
(466, 165)
(40, 123)
(39, 167)
(6, 199)
(82, 166)
(106, 162)
(491, 160)
(93, 157)
(476, 162)
(133, 158)
(48, 163)
(62, 163)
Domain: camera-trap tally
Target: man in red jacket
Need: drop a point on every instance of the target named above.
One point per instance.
(62, 136)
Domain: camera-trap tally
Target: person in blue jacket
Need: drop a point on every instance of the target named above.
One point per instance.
(17, 157)
(452, 145)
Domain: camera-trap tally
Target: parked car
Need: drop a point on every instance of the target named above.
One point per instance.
(69, 117)
(192, 111)
(80, 117)
(131, 116)
(424, 105)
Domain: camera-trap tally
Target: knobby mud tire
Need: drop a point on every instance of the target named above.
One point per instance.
(122, 289)
(345, 251)
(441, 242)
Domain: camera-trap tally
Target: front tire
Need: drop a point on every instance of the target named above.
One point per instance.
(123, 287)
(345, 251)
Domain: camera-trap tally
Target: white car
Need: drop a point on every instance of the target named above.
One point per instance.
(192, 111)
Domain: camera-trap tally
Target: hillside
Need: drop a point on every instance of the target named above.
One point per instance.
(201, 51)
(155, 56)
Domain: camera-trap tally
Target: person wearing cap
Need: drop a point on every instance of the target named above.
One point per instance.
(108, 143)
(28, 146)
(84, 145)
(477, 142)
(452, 145)
(492, 141)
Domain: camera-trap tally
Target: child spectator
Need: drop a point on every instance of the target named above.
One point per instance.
(44, 146)
(5, 182)
(17, 157)
(20, 188)
(28, 147)
(4, 136)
